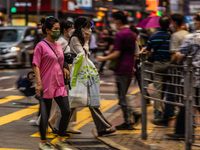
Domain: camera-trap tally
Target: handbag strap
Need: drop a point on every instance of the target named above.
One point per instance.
(55, 54)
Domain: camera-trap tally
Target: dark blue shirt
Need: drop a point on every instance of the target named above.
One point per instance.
(162, 53)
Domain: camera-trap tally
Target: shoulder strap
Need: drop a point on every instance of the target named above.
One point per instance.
(54, 53)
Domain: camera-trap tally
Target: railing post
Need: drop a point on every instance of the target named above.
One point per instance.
(188, 103)
(144, 104)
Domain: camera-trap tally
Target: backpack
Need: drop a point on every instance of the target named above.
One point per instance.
(25, 86)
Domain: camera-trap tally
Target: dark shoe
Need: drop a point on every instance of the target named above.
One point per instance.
(55, 131)
(160, 122)
(107, 131)
(125, 126)
(173, 135)
(136, 118)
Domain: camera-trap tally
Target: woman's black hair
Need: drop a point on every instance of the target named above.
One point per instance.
(48, 23)
(65, 24)
(80, 23)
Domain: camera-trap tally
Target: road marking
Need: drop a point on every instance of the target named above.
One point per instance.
(84, 116)
(135, 91)
(7, 77)
(9, 89)
(10, 98)
(11, 149)
(18, 114)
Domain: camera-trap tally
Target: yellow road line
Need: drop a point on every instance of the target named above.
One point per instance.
(84, 116)
(11, 149)
(10, 98)
(18, 115)
(135, 91)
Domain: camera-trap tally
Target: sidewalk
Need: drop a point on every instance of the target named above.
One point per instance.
(131, 139)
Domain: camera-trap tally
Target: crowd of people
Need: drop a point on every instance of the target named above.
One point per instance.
(59, 98)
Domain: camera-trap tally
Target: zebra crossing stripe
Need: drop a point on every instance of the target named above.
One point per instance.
(10, 98)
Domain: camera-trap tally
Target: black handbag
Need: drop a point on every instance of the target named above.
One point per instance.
(66, 81)
(69, 57)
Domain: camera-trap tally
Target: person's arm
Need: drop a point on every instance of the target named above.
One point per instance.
(38, 87)
(113, 55)
(75, 45)
(184, 49)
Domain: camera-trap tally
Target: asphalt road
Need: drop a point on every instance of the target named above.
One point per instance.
(16, 111)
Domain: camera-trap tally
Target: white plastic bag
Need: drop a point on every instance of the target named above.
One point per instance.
(84, 83)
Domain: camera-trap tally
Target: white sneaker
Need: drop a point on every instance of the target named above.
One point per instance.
(72, 123)
(70, 129)
(33, 122)
(62, 146)
(45, 146)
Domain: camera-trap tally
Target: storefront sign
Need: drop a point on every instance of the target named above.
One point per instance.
(85, 4)
(194, 7)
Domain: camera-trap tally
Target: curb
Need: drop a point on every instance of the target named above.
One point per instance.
(139, 142)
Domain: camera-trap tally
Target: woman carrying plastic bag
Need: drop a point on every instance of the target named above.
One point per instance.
(85, 77)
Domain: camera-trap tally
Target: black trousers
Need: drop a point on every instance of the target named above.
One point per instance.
(45, 107)
(99, 120)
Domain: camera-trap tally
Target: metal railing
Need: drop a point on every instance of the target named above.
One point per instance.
(183, 84)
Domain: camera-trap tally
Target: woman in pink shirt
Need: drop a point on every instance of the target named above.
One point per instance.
(50, 81)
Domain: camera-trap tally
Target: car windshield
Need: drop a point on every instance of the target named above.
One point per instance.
(10, 35)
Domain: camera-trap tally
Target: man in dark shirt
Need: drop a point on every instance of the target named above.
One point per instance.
(158, 49)
(124, 52)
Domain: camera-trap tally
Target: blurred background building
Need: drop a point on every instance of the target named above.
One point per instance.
(29, 12)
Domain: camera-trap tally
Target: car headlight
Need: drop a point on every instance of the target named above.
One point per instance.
(13, 49)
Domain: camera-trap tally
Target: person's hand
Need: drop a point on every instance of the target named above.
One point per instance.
(107, 52)
(143, 50)
(101, 58)
(66, 73)
(86, 34)
(38, 89)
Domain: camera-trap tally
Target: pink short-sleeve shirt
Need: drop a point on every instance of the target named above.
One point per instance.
(50, 70)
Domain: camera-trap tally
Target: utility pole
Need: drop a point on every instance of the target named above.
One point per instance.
(26, 12)
(8, 12)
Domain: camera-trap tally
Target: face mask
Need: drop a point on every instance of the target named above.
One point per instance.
(113, 26)
(56, 34)
(71, 32)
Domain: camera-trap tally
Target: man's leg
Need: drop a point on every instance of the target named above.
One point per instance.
(123, 82)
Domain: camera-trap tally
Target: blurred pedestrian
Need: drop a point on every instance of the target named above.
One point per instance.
(79, 44)
(93, 45)
(124, 52)
(50, 81)
(158, 49)
(190, 47)
(176, 40)
(108, 44)
(66, 27)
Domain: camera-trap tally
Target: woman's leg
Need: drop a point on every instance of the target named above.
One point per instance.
(101, 123)
(63, 104)
(45, 107)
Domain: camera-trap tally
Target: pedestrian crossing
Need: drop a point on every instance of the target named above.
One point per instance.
(83, 115)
